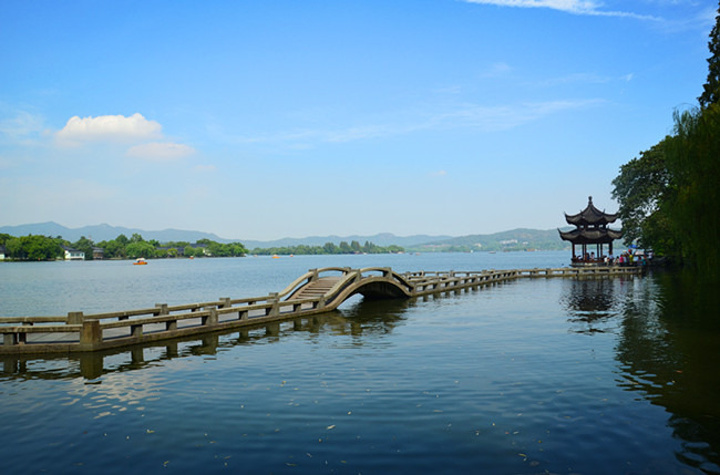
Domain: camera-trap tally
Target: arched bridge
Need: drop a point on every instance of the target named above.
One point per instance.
(316, 291)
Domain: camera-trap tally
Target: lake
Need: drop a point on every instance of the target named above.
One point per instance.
(532, 376)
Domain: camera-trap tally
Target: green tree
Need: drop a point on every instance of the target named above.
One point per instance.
(34, 248)
(693, 159)
(140, 249)
(113, 249)
(85, 245)
(640, 189)
(711, 88)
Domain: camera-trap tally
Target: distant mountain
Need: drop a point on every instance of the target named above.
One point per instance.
(105, 232)
(515, 239)
(382, 239)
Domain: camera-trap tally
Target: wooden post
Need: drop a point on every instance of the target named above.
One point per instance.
(9, 339)
(91, 334)
(162, 308)
(275, 309)
(74, 318)
(212, 318)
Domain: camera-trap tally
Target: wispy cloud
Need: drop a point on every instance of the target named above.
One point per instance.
(160, 151)
(585, 78)
(23, 128)
(575, 7)
(482, 118)
(497, 70)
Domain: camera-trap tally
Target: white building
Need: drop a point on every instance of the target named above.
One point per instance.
(73, 254)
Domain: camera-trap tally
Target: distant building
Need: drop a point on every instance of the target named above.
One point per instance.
(2, 253)
(98, 253)
(73, 254)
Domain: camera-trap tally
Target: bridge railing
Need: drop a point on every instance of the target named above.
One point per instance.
(87, 332)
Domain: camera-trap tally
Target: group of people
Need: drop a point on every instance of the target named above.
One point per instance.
(627, 258)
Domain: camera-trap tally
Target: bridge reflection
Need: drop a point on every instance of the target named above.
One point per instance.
(365, 321)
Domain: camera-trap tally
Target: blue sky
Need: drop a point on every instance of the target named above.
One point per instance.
(267, 119)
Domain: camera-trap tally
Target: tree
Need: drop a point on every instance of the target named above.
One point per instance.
(34, 248)
(85, 245)
(711, 88)
(693, 159)
(640, 188)
(140, 249)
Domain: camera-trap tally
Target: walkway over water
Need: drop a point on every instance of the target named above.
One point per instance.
(317, 291)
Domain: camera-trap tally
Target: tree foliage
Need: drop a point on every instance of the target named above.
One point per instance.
(34, 248)
(669, 195)
(711, 88)
(329, 248)
(693, 160)
(640, 189)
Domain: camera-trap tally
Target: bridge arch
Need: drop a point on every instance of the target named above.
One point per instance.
(373, 283)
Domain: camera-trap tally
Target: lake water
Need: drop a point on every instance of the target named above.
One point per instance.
(533, 376)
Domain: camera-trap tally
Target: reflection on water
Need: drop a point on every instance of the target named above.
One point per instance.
(534, 376)
(366, 321)
(592, 303)
(670, 352)
(668, 349)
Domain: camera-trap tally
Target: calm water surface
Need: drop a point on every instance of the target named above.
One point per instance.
(533, 376)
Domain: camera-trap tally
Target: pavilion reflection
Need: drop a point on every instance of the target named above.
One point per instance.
(365, 322)
(591, 304)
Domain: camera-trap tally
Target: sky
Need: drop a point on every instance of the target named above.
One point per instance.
(264, 119)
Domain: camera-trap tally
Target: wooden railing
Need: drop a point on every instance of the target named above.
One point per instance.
(78, 332)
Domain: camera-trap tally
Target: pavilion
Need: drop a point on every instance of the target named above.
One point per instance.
(591, 228)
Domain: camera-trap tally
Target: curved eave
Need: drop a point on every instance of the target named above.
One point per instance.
(590, 236)
(590, 216)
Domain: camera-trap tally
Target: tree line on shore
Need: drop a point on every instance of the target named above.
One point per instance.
(329, 248)
(669, 195)
(43, 248)
(39, 248)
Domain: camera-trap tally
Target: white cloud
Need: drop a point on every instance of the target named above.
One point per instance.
(160, 151)
(577, 7)
(109, 128)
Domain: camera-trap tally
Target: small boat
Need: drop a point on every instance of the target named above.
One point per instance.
(276, 256)
(140, 262)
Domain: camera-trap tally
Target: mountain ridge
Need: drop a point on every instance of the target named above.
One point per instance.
(519, 238)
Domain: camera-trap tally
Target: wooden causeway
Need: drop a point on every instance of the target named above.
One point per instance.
(317, 291)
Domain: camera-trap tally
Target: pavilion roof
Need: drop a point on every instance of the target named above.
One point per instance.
(590, 235)
(590, 216)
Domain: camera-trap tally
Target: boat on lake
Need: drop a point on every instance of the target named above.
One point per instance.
(140, 262)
